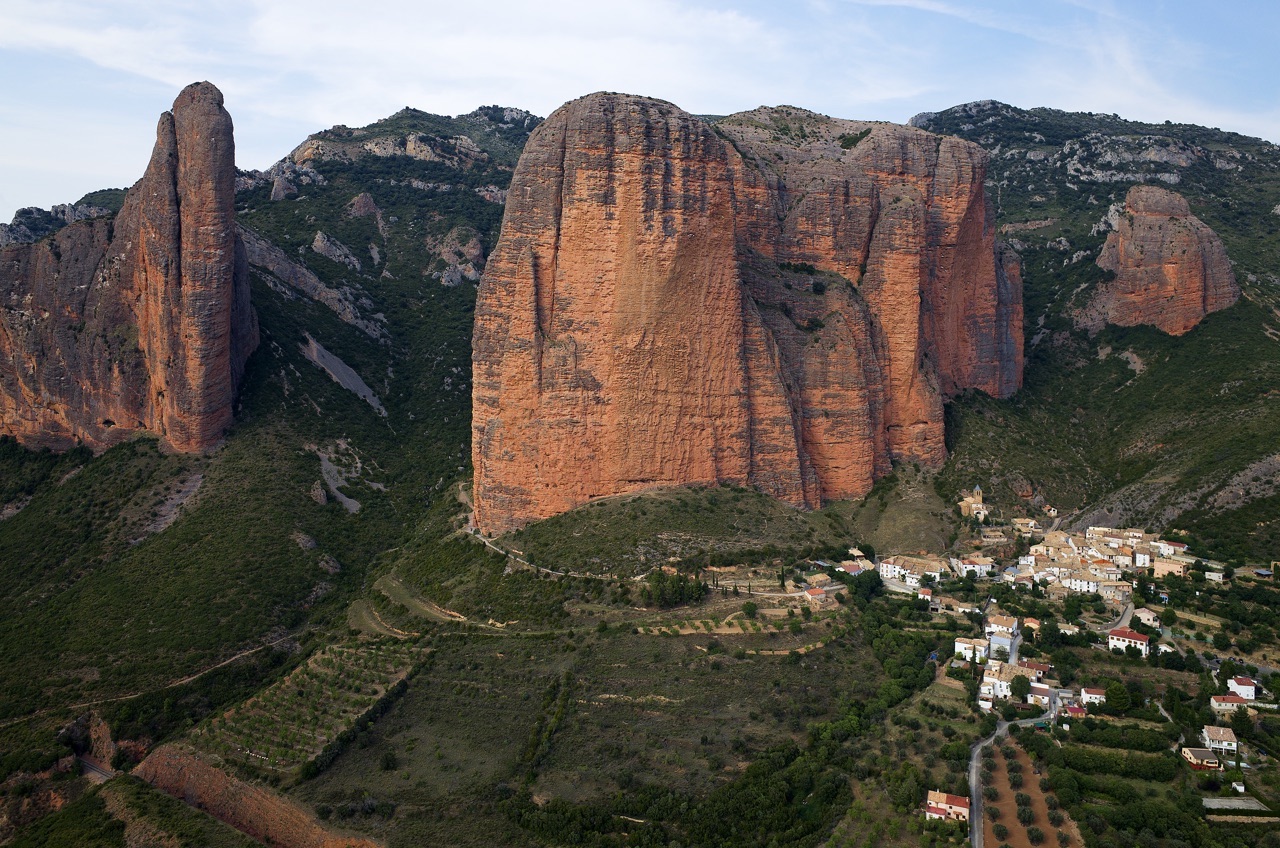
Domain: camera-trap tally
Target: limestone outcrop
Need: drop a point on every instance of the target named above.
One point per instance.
(140, 322)
(781, 300)
(1170, 268)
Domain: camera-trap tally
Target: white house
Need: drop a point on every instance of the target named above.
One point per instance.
(1005, 624)
(1093, 696)
(980, 566)
(973, 650)
(1245, 687)
(1123, 637)
(1220, 739)
(943, 805)
(1083, 582)
(1226, 704)
(1149, 617)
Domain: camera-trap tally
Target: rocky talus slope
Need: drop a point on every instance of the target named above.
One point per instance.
(1170, 268)
(782, 300)
(139, 322)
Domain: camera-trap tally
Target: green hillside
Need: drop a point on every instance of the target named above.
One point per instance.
(1131, 427)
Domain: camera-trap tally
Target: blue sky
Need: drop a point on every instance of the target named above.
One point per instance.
(84, 80)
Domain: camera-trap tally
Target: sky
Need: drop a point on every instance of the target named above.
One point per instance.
(85, 80)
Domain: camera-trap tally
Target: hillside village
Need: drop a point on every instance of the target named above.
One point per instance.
(1083, 634)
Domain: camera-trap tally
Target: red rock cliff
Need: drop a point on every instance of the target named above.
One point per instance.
(142, 322)
(647, 318)
(1171, 268)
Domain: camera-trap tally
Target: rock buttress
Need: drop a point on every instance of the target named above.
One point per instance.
(608, 344)
(141, 322)
(648, 317)
(1170, 268)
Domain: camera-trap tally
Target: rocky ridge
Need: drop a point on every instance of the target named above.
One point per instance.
(782, 300)
(141, 322)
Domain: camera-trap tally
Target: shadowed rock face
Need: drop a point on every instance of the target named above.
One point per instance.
(141, 322)
(637, 326)
(1171, 268)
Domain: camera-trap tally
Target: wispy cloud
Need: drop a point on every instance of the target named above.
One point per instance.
(289, 67)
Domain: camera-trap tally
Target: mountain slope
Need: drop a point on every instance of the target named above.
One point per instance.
(1131, 426)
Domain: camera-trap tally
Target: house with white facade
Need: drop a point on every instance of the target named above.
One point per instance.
(1005, 624)
(943, 805)
(1245, 687)
(1220, 739)
(1122, 638)
(973, 650)
(1093, 696)
(976, 566)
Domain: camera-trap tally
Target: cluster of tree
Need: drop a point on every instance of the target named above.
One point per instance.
(670, 590)
(790, 796)
(1130, 737)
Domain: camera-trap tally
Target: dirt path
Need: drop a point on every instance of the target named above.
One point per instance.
(393, 587)
(180, 682)
(363, 617)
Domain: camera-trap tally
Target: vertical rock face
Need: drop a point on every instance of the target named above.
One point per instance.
(140, 323)
(1171, 268)
(675, 303)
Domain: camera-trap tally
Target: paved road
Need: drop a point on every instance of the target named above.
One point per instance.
(975, 757)
(1122, 621)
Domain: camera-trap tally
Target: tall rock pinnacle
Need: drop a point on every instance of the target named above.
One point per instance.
(143, 322)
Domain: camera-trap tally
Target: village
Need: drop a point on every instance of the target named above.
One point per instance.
(1118, 606)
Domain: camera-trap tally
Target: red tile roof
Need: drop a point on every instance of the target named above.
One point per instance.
(1126, 633)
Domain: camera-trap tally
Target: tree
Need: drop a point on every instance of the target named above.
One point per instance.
(1118, 699)
(1241, 723)
(1001, 832)
(1026, 815)
(1035, 835)
(750, 609)
(1020, 686)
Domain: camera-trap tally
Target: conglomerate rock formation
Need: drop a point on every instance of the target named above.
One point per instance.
(264, 815)
(781, 300)
(139, 322)
(1171, 268)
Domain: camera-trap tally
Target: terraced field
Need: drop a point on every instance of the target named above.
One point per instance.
(306, 716)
